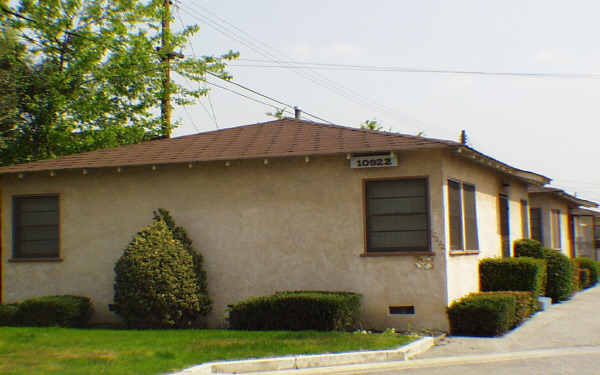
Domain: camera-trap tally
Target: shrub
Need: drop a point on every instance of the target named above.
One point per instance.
(592, 266)
(560, 275)
(155, 283)
(181, 235)
(584, 278)
(527, 247)
(7, 314)
(513, 274)
(480, 314)
(577, 283)
(300, 310)
(525, 305)
(65, 311)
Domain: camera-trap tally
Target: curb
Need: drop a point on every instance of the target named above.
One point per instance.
(311, 361)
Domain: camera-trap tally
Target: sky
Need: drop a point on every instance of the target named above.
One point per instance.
(548, 124)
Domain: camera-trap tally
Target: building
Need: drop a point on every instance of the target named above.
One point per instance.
(280, 205)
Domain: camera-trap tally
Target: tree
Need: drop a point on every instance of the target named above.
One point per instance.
(155, 282)
(371, 125)
(88, 74)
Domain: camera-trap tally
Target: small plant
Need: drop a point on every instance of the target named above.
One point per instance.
(156, 285)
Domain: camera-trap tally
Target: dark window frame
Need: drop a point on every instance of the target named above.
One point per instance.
(465, 239)
(17, 256)
(408, 250)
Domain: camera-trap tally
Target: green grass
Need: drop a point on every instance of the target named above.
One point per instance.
(98, 351)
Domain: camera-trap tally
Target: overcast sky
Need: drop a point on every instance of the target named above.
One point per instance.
(546, 124)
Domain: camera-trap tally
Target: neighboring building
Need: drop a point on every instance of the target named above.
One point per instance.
(585, 233)
(553, 225)
(281, 205)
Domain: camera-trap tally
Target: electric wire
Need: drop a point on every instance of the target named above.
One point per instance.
(223, 26)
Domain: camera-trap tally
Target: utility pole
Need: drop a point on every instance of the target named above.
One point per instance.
(166, 55)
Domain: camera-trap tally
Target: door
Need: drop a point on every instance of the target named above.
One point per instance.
(504, 226)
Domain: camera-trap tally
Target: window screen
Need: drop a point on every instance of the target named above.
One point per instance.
(397, 215)
(455, 207)
(35, 227)
(470, 218)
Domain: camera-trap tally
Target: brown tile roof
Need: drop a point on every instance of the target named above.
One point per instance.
(562, 194)
(279, 138)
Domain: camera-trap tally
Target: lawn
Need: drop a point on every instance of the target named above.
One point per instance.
(102, 351)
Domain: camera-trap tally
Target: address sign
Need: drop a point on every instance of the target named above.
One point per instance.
(374, 161)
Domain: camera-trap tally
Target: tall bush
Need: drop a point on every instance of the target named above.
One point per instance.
(527, 247)
(180, 234)
(589, 264)
(156, 284)
(560, 275)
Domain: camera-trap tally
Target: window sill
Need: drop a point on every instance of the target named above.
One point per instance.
(399, 254)
(463, 252)
(34, 260)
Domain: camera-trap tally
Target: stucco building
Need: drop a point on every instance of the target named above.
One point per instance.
(281, 205)
(560, 221)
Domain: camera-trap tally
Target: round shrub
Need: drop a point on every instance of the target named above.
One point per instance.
(527, 247)
(155, 283)
(560, 275)
(589, 264)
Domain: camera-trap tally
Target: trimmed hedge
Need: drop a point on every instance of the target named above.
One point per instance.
(592, 266)
(513, 274)
(527, 247)
(481, 314)
(560, 275)
(65, 311)
(524, 307)
(297, 310)
(7, 314)
(584, 278)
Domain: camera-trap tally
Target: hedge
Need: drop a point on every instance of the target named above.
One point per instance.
(560, 275)
(527, 247)
(481, 314)
(525, 305)
(592, 266)
(578, 282)
(64, 311)
(297, 310)
(7, 314)
(584, 278)
(513, 274)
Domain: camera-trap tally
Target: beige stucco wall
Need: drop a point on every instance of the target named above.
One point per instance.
(261, 228)
(462, 270)
(548, 202)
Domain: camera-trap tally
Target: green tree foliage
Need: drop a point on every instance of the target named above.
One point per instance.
(79, 75)
(155, 283)
(371, 125)
(181, 235)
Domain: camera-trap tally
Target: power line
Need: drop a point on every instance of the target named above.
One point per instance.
(224, 27)
(245, 96)
(374, 68)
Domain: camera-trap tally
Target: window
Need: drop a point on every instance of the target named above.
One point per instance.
(397, 215)
(536, 224)
(555, 221)
(525, 218)
(463, 216)
(35, 227)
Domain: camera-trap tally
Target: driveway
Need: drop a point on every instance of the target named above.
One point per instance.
(569, 324)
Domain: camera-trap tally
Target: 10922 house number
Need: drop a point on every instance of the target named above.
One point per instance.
(374, 161)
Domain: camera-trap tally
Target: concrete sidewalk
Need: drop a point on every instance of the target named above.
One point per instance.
(572, 323)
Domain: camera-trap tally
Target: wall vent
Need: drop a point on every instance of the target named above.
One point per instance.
(401, 310)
